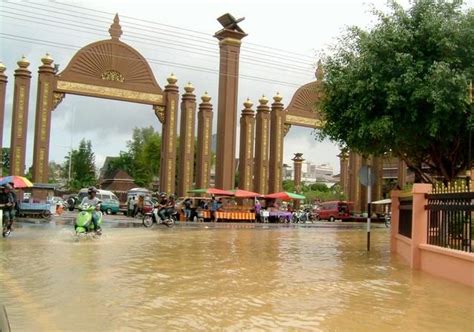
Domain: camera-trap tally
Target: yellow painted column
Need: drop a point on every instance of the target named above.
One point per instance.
(21, 97)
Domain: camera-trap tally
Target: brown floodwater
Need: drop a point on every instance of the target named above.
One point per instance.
(229, 278)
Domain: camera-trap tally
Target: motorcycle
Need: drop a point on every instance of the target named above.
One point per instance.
(153, 218)
(84, 224)
(299, 217)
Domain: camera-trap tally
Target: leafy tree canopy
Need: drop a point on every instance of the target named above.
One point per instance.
(142, 159)
(82, 166)
(403, 87)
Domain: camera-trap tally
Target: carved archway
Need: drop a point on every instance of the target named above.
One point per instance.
(301, 111)
(108, 69)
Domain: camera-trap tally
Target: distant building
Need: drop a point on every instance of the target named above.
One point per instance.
(312, 173)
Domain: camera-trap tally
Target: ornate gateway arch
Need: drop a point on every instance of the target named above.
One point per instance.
(108, 69)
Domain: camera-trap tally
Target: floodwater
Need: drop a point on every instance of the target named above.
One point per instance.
(229, 278)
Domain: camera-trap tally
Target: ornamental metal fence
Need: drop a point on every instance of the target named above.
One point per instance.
(450, 217)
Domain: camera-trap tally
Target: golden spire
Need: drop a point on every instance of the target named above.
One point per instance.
(263, 100)
(172, 79)
(189, 88)
(47, 60)
(277, 98)
(205, 98)
(115, 29)
(2, 68)
(23, 62)
(248, 103)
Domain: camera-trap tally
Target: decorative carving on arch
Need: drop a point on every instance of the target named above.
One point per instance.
(113, 65)
(57, 99)
(160, 113)
(302, 109)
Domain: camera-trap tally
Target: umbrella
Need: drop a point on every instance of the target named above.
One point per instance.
(239, 193)
(286, 196)
(18, 181)
(212, 191)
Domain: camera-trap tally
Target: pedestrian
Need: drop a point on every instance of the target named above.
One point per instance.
(16, 209)
(214, 206)
(258, 208)
(140, 205)
(187, 208)
(131, 206)
(7, 204)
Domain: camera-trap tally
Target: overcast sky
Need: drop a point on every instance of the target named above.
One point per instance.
(278, 55)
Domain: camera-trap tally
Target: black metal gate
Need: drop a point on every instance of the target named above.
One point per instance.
(450, 220)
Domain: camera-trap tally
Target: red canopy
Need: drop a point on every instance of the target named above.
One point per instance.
(245, 193)
(212, 191)
(215, 191)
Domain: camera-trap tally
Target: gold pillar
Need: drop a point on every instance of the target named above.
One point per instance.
(204, 139)
(344, 172)
(355, 162)
(44, 101)
(297, 165)
(21, 99)
(261, 146)
(246, 157)
(378, 173)
(276, 145)
(3, 87)
(229, 46)
(186, 141)
(168, 143)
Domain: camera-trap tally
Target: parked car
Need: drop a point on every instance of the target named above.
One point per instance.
(110, 206)
(335, 210)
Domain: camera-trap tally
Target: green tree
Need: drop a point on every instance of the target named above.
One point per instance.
(402, 87)
(82, 166)
(288, 185)
(142, 159)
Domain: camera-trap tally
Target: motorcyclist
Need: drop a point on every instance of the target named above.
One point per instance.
(92, 200)
(162, 206)
(170, 208)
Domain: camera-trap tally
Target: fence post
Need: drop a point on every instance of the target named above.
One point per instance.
(394, 219)
(419, 221)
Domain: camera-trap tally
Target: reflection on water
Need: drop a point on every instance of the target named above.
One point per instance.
(236, 279)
